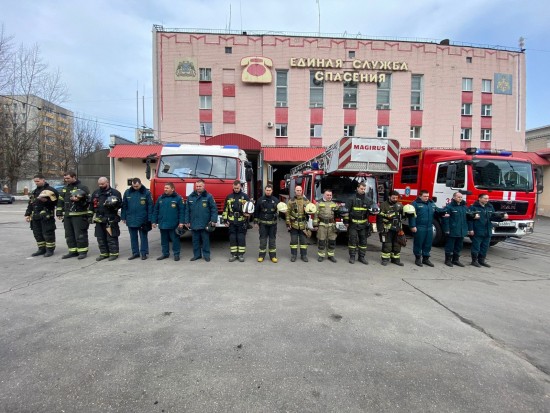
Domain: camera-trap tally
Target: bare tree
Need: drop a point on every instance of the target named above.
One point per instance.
(28, 85)
(87, 139)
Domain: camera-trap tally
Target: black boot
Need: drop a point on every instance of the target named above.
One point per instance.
(363, 260)
(41, 251)
(483, 262)
(418, 260)
(397, 261)
(385, 261)
(293, 257)
(474, 261)
(49, 252)
(69, 255)
(352, 259)
(448, 261)
(456, 261)
(426, 261)
(304, 258)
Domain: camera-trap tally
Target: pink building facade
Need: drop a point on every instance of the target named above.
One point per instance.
(279, 90)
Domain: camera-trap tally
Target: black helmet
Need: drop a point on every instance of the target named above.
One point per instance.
(210, 227)
(79, 193)
(180, 231)
(112, 202)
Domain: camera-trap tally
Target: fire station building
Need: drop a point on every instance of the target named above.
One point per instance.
(284, 97)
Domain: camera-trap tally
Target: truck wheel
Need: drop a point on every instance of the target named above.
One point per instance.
(439, 236)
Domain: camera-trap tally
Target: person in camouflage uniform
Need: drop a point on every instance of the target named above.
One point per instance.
(296, 223)
(324, 223)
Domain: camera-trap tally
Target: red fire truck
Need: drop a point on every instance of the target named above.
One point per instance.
(511, 182)
(342, 166)
(217, 166)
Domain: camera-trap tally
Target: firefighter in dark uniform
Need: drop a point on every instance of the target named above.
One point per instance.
(265, 216)
(296, 223)
(106, 202)
(456, 228)
(481, 227)
(73, 209)
(389, 225)
(358, 224)
(41, 215)
(325, 224)
(237, 221)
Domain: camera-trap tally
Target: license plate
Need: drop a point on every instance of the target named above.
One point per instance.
(506, 224)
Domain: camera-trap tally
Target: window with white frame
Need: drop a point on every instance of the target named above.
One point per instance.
(382, 131)
(415, 132)
(281, 130)
(205, 74)
(282, 88)
(206, 129)
(205, 102)
(383, 93)
(416, 92)
(316, 91)
(486, 85)
(466, 134)
(315, 131)
(485, 135)
(350, 94)
(467, 84)
(486, 110)
(349, 130)
(466, 109)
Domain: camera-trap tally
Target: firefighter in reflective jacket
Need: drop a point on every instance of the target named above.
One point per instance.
(296, 223)
(106, 202)
(389, 224)
(324, 223)
(265, 216)
(234, 217)
(73, 208)
(358, 223)
(41, 215)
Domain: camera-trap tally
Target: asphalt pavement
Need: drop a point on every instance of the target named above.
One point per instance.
(166, 336)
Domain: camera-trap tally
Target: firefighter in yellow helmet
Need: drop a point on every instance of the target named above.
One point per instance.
(40, 214)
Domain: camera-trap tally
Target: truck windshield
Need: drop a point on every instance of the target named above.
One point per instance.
(344, 187)
(197, 166)
(503, 175)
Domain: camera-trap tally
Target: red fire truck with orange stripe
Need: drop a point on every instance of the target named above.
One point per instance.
(511, 182)
(342, 166)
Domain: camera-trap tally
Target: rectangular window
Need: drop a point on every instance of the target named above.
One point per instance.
(485, 135)
(486, 86)
(205, 102)
(228, 50)
(409, 169)
(486, 110)
(349, 130)
(282, 88)
(205, 74)
(316, 91)
(466, 134)
(466, 109)
(350, 94)
(351, 54)
(316, 131)
(467, 84)
(383, 93)
(206, 129)
(415, 132)
(281, 130)
(416, 92)
(382, 131)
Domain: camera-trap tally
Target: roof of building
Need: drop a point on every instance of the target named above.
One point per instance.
(135, 151)
(290, 153)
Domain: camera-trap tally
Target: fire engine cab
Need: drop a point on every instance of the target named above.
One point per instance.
(511, 182)
(342, 166)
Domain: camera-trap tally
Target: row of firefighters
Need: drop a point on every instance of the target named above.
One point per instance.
(173, 215)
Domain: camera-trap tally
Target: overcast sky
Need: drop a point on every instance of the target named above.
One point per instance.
(104, 48)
